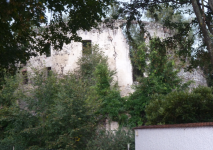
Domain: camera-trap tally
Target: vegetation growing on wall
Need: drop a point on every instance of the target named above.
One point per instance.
(161, 78)
(59, 113)
(95, 72)
(202, 12)
(62, 113)
(52, 114)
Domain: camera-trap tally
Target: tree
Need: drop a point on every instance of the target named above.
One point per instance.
(204, 20)
(52, 113)
(181, 107)
(112, 104)
(94, 71)
(202, 10)
(10, 114)
(112, 140)
(25, 30)
(137, 40)
(161, 79)
(165, 13)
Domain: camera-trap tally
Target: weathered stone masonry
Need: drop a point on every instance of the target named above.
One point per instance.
(114, 45)
(111, 41)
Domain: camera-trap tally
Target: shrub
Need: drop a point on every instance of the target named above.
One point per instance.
(112, 104)
(55, 112)
(56, 115)
(162, 79)
(181, 107)
(112, 140)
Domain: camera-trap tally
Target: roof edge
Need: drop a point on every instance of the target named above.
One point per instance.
(185, 125)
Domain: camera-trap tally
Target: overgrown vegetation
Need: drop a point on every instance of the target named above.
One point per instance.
(181, 107)
(112, 140)
(95, 72)
(52, 114)
(63, 112)
(59, 113)
(21, 21)
(161, 78)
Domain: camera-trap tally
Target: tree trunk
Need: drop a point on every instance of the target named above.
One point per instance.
(202, 24)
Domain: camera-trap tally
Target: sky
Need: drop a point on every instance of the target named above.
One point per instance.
(144, 18)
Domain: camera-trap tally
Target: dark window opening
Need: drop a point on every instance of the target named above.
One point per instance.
(86, 47)
(48, 53)
(48, 71)
(136, 72)
(25, 77)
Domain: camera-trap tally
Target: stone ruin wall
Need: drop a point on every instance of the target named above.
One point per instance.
(111, 41)
(114, 45)
(196, 75)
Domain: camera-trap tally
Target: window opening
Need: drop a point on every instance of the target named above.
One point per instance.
(48, 53)
(25, 77)
(48, 71)
(86, 47)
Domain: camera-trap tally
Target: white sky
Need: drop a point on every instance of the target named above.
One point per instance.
(186, 15)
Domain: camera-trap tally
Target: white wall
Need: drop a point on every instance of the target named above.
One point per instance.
(191, 138)
(111, 41)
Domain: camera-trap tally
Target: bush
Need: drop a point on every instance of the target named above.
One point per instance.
(181, 107)
(162, 79)
(112, 140)
(55, 112)
(55, 115)
(112, 104)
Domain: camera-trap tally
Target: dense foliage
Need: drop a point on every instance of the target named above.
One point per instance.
(55, 112)
(165, 13)
(95, 72)
(112, 105)
(26, 30)
(161, 78)
(63, 112)
(181, 107)
(52, 114)
(168, 13)
(112, 140)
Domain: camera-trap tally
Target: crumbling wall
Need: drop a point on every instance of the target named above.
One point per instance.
(111, 41)
(196, 75)
(114, 45)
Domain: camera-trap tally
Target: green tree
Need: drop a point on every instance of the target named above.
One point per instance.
(112, 104)
(161, 78)
(165, 13)
(94, 71)
(88, 63)
(25, 30)
(181, 107)
(112, 140)
(203, 20)
(53, 114)
(11, 116)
